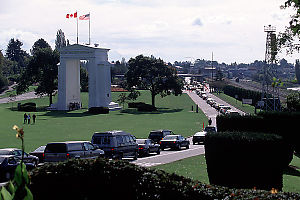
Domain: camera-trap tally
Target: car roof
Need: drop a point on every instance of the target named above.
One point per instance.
(10, 149)
(173, 135)
(112, 133)
(67, 142)
(160, 130)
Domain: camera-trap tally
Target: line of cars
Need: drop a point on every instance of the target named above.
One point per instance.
(223, 109)
(110, 144)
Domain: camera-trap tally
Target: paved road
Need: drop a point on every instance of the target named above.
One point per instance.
(25, 96)
(168, 156)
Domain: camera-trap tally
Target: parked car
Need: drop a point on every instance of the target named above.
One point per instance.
(18, 153)
(232, 113)
(223, 109)
(199, 137)
(62, 151)
(116, 144)
(8, 165)
(147, 146)
(174, 142)
(39, 152)
(158, 135)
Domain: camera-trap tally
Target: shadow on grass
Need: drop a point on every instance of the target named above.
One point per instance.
(159, 111)
(292, 170)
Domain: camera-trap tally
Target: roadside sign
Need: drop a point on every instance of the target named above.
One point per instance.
(247, 101)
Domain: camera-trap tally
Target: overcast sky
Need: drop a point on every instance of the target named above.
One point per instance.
(170, 29)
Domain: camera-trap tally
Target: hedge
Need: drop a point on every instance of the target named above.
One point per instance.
(281, 123)
(99, 110)
(101, 178)
(28, 107)
(242, 93)
(246, 160)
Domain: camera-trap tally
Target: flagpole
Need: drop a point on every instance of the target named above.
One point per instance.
(90, 29)
(77, 27)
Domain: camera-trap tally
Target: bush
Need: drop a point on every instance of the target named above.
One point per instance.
(101, 178)
(135, 104)
(99, 110)
(246, 160)
(280, 123)
(146, 108)
(27, 107)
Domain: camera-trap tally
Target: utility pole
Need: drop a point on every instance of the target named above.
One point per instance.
(270, 61)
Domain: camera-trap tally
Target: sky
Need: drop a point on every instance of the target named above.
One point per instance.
(174, 30)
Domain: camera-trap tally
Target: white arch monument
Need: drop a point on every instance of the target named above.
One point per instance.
(98, 69)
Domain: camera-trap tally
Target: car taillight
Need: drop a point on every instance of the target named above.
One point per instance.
(43, 155)
(68, 155)
(141, 148)
(112, 149)
(174, 142)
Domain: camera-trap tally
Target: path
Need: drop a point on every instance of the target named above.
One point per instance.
(25, 96)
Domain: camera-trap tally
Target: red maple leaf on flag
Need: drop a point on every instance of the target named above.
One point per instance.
(71, 15)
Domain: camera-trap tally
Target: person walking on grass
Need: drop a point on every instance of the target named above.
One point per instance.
(25, 118)
(28, 118)
(33, 118)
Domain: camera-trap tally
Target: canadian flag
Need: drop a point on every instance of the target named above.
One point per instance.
(71, 15)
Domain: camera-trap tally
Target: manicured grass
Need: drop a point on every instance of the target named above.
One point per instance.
(195, 168)
(173, 113)
(238, 104)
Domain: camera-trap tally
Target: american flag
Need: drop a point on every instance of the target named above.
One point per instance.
(84, 17)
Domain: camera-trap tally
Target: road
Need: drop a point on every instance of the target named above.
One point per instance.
(168, 156)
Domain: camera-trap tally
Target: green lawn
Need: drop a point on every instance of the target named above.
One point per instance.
(173, 113)
(195, 168)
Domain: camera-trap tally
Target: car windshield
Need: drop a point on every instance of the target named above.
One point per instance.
(141, 141)
(5, 152)
(41, 148)
(170, 137)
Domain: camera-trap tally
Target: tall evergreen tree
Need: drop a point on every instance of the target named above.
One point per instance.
(15, 53)
(297, 70)
(60, 39)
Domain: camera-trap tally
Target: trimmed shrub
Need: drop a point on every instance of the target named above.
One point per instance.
(112, 179)
(146, 108)
(99, 110)
(280, 123)
(242, 93)
(246, 160)
(135, 104)
(28, 107)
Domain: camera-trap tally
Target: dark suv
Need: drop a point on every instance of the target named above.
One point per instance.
(62, 151)
(116, 144)
(158, 135)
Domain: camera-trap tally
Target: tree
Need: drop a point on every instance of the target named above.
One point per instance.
(154, 75)
(15, 53)
(42, 69)
(297, 70)
(39, 44)
(84, 80)
(289, 39)
(60, 39)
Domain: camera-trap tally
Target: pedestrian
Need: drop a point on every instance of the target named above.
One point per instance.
(33, 118)
(209, 121)
(28, 118)
(25, 118)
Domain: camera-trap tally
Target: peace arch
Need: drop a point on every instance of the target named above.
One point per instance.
(98, 69)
